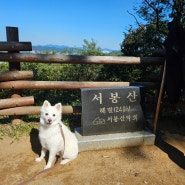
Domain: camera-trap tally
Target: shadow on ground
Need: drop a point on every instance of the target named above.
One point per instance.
(173, 153)
(172, 127)
(34, 140)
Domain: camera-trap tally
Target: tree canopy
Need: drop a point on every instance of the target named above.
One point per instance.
(147, 36)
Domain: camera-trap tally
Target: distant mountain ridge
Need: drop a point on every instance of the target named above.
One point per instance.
(59, 48)
(49, 47)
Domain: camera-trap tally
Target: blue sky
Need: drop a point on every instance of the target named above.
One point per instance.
(68, 22)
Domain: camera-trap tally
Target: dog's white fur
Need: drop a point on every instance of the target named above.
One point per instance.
(51, 138)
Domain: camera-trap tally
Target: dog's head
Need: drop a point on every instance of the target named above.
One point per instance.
(50, 115)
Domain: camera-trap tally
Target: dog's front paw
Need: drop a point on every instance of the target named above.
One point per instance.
(38, 159)
(46, 167)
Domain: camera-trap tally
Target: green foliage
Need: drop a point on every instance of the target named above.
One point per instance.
(70, 51)
(90, 48)
(142, 41)
(3, 66)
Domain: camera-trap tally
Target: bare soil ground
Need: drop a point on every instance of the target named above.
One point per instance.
(162, 163)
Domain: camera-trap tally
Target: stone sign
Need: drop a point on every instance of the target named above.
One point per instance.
(112, 110)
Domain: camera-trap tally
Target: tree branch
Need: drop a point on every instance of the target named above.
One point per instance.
(136, 20)
(156, 10)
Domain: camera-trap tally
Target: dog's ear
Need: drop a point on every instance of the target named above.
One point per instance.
(58, 106)
(46, 104)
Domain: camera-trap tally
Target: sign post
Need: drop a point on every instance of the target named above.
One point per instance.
(112, 110)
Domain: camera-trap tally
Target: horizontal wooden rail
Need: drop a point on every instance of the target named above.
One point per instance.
(79, 59)
(70, 84)
(57, 84)
(15, 102)
(16, 75)
(29, 110)
(15, 46)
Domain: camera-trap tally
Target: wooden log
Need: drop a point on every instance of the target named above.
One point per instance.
(15, 96)
(69, 84)
(15, 75)
(16, 102)
(15, 46)
(77, 59)
(159, 52)
(29, 110)
(57, 84)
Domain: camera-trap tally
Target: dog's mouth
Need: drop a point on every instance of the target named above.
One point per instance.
(49, 122)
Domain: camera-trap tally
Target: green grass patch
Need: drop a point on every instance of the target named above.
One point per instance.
(16, 131)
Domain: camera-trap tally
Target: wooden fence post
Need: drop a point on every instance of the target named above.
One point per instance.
(12, 35)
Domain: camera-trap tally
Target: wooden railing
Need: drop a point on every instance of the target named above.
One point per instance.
(16, 79)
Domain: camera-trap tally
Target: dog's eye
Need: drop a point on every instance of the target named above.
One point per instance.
(46, 114)
(53, 115)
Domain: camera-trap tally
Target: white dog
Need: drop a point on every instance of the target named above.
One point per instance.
(51, 138)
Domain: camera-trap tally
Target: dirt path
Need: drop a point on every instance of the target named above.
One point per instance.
(163, 163)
